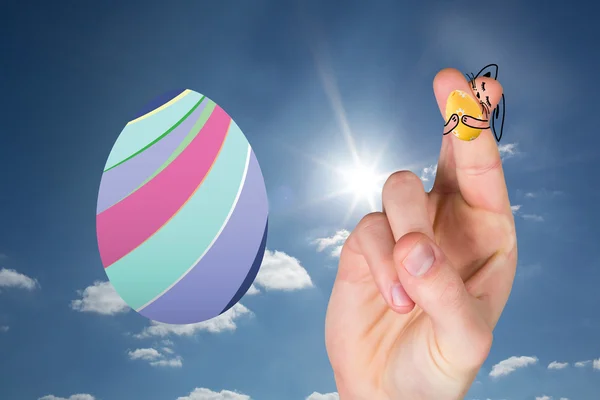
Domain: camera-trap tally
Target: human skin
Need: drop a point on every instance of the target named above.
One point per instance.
(392, 334)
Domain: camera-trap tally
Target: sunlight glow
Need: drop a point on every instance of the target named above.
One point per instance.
(361, 181)
(357, 177)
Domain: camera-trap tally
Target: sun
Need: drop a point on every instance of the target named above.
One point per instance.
(361, 181)
(361, 178)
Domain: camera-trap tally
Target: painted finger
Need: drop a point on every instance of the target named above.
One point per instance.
(477, 163)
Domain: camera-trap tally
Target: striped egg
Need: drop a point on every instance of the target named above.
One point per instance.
(182, 211)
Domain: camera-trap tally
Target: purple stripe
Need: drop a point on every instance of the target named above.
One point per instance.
(119, 182)
(211, 284)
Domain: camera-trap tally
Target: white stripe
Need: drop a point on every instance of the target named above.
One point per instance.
(237, 197)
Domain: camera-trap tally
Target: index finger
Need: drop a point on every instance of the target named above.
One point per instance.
(476, 165)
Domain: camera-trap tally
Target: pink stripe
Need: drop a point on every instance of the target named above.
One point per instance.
(129, 223)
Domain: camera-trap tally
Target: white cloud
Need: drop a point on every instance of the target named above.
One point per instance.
(280, 271)
(144, 354)
(533, 217)
(333, 243)
(172, 363)
(9, 278)
(207, 394)
(155, 358)
(336, 252)
(596, 364)
(543, 398)
(80, 396)
(508, 150)
(326, 396)
(428, 173)
(100, 298)
(557, 365)
(224, 322)
(4, 328)
(167, 350)
(581, 364)
(543, 193)
(529, 217)
(252, 290)
(511, 364)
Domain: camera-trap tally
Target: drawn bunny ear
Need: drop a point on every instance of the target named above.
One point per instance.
(490, 71)
(497, 120)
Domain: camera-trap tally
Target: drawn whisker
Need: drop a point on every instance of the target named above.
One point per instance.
(485, 108)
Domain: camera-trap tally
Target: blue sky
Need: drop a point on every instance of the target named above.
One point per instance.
(73, 74)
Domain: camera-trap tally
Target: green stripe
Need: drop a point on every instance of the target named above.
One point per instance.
(162, 259)
(158, 138)
(208, 109)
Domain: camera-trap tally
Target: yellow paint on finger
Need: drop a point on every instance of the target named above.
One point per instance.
(461, 103)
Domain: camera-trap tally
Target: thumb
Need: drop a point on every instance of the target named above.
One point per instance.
(461, 333)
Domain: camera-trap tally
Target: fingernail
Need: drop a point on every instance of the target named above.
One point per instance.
(420, 259)
(399, 296)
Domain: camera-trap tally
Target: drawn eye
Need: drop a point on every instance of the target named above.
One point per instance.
(487, 100)
(483, 86)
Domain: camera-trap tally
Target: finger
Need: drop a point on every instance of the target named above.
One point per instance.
(477, 165)
(405, 204)
(375, 241)
(463, 336)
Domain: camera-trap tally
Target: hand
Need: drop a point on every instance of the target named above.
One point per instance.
(399, 331)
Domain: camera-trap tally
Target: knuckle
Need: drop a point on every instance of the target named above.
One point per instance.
(400, 179)
(371, 223)
(452, 294)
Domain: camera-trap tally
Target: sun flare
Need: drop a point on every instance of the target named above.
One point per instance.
(361, 178)
(362, 181)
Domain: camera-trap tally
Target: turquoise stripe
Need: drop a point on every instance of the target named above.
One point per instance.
(161, 260)
(138, 135)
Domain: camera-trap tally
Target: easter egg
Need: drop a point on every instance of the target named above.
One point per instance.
(461, 103)
(182, 211)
